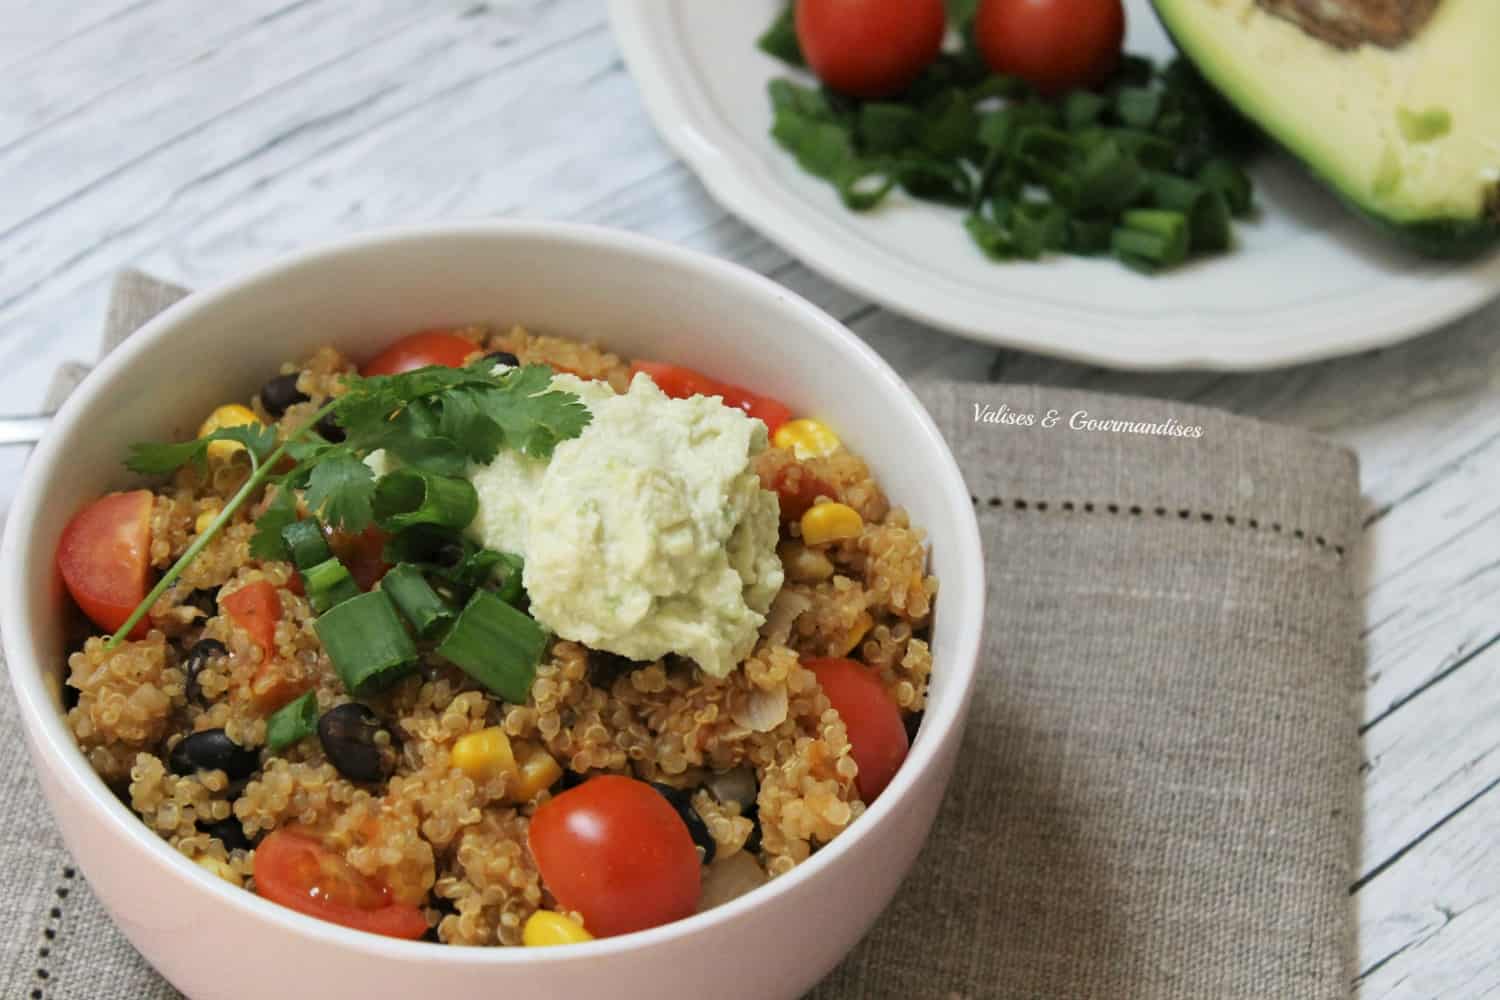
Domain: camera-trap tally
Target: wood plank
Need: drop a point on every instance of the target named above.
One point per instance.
(1429, 929)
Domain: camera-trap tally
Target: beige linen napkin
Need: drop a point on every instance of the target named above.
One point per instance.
(1157, 793)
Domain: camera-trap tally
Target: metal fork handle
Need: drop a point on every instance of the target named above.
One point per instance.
(23, 430)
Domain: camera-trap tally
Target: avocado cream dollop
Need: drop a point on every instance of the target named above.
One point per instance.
(647, 534)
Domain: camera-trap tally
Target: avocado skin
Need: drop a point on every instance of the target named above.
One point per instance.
(1442, 238)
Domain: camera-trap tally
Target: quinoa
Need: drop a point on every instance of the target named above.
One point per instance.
(430, 834)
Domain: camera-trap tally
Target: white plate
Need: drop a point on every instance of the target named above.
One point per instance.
(1308, 280)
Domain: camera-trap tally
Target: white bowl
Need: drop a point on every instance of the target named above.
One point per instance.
(641, 298)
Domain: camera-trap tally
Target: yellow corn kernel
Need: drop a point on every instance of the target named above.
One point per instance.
(537, 771)
(857, 632)
(485, 754)
(200, 525)
(806, 438)
(830, 522)
(228, 415)
(544, 927)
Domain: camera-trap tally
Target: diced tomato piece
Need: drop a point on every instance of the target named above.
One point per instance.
(796, 489)
(296, 871)
(682, 383)
(104, 557)
(256, 608)
(362, 554)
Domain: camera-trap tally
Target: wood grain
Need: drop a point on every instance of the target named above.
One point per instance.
(198, 141)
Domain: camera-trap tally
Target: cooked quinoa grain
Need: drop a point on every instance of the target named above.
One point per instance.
(453, 840)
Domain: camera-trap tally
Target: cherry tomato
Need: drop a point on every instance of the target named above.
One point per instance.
(256, 608)
(104, 557)
(870, 48)
(683, 383)
(877, 737)
(615, 850)
(362, 554)
(1055, 45)
(430, 347)
(295, 871)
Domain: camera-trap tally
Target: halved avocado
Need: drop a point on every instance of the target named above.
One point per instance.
(1400, 116)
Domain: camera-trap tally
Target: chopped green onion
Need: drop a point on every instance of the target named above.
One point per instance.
(780, 39)
(1082, 108)
(418, 603)
(305, 541)
(1107, 181)
(1138, 107)
(1150, 239)
(411, 496)
(496, 645)
(367, 643)
(885, 127)
(293, 722)
(1089, 236)
(1230, 182)
(328, 584)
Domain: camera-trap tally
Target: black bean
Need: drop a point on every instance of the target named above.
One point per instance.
(205, 599)
(213, 750)
(281, 393)
(912, 723)
(752, 842)
(197, 658)
(350, 737)
(682, 801)
(330, 429)
(605, 668)
(570, 779)
(503, 358)
(229, 832)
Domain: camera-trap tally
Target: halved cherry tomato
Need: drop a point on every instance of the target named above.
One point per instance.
(430, 347)
(256, 608)
(870, 48)
(362, 554)
(682, 383)
(104, 557)
(877, 738)
(297, 872)
(1055, 45)
(614, 850)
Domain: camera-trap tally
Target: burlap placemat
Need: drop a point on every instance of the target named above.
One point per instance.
(1157, 796)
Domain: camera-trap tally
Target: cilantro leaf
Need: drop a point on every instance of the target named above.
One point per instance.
(155, 458)
(340, 488)
(267, 542)
(534, 416)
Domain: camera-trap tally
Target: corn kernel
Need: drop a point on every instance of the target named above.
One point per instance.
(830, 522)
(538, 771)
(544, 927)
(228, 415)
(485, 754)
(201, 524)
(857, 632)
(806, 438)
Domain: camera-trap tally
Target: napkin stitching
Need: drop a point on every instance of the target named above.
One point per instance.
(49, 934)
(1183, 513)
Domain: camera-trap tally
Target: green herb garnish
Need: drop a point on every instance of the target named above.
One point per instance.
(433, 420)
(1034, 174)
(293, 722)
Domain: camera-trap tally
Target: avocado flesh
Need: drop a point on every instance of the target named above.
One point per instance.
(1408, 135)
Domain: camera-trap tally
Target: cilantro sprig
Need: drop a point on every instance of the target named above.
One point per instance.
(434, 419)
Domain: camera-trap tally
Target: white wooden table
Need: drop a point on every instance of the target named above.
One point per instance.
(198, 140)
